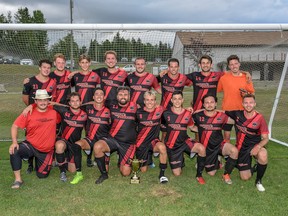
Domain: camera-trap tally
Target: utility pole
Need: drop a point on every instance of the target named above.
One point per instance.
(71, 43)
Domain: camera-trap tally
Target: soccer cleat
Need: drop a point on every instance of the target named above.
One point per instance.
(163, 179)
(260, 187)
(29, 170)
(200, 180)
(102, 178)
(77, 178)
(227, 179)
(63, 177)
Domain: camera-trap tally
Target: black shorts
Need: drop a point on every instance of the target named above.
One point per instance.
(244, 159)
(212, 162)
(176, 156)
(69, 155)
(43, 160)
(143, 150)
(125, 151)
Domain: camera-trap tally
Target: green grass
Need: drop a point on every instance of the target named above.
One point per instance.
(181, 196)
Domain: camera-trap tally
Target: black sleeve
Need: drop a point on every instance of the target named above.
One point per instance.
(60, 109)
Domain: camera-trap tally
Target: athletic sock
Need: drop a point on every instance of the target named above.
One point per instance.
(77, 156)
(200, 165)
(162, 167)
(101, 165)
(60, 158)
(260, 172)
(229, 166)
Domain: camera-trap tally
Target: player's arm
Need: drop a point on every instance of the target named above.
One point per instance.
(25, 99)
(162, 73)
(70, 76)
(193, 128)
(260, 145)
(14, 133)
(26, 80)
(248, 76)
(230, 121)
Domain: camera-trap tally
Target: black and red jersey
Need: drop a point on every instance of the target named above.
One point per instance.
(34, 84)
(170, 85)
(210, 128)
(98, 122)
(72, 123)
(85, 85)
(248, 131)
(176, 125)
(148, 125)
(203, 85)
(63, 88)
(139, 85)
(110, 82)
(123, 127)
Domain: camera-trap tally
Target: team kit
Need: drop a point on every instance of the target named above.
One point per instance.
(118, 112)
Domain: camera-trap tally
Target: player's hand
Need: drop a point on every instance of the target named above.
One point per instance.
(162, 73)
(27, 110)
(243, 92)
(190, 109)
(26, 80)
(70, 76)
(12, 148)
(255, 150)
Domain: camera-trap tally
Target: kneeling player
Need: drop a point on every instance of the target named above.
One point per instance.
(176, 120)
(210, 123)
(149, 118)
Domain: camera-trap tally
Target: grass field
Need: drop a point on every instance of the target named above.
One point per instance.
(181, 196)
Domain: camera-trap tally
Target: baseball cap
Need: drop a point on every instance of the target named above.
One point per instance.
(41, 94)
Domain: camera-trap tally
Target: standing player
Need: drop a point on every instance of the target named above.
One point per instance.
(61, 76)
(252, 137)
(149, 118)
(40, 138)
(141, 81)
(40, 81)
(176, 119)
(233, 84)
(122, 137)
(210, 123)
(111, 77)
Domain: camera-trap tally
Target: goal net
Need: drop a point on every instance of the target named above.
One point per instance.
(262, 51)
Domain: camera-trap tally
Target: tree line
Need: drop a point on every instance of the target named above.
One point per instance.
(35, 44)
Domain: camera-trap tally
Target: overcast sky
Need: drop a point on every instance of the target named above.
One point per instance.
(155, 11)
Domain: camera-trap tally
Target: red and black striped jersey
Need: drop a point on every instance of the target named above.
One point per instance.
(203, 85)
(110, 82)
(148, 125)
(85, 85)
(34, 84)
(63, 88)
(98, 122)
(72, 123)
(210, 128)
(170, 85)
(123, 119)
(176, 125)
(139, 85)
(248, 131)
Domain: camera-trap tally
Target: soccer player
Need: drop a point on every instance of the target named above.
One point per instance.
(252, 137)
(210, 123)
(40, 81)
(141, 81)
(111, 77)
(98, 122)
(61, 76)
(149, 119)
(85, 81)
(176, 119)
(122, 137)
(233, 84)
(40, 138)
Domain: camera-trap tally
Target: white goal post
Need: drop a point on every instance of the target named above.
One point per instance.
(262, 48)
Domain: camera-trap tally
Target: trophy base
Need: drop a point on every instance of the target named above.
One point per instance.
(135, 180)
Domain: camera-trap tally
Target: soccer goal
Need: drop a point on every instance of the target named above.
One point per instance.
(262, 49)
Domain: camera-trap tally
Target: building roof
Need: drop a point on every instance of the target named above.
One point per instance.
(235, 38)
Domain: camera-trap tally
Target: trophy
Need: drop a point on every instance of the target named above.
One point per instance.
(135, 167)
